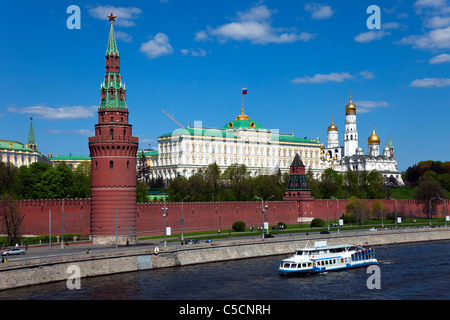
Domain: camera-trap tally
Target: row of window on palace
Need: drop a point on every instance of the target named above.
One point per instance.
(201, 148)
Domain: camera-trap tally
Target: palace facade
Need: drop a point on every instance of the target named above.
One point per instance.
(241, 141)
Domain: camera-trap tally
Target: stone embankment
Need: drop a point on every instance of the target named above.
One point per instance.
(58, 268)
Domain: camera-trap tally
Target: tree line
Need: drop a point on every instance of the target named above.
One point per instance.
(431, 179)
(234, 184)
(43, 181)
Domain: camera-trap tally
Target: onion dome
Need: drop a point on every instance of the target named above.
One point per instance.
(373, 139)
(332, 127)
(350, 108)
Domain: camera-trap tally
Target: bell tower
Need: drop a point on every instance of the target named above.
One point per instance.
(113, 159)
(350, 132)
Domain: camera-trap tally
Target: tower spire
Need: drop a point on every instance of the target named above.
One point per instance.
(31, 139)
(112, 45)
(113, 92)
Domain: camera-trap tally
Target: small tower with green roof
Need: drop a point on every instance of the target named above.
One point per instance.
(31, 140)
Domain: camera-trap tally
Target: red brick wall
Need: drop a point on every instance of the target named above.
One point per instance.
(197, 215)
(37, 220)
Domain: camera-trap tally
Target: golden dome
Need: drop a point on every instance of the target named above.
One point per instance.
(350, 108)
(332, 127)
(242, 116)
(373, 139)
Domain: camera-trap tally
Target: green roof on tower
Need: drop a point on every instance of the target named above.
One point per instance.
(31, 139)
(113, 91)
(112, 45)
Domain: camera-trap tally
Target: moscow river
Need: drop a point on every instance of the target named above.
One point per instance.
(419, 271)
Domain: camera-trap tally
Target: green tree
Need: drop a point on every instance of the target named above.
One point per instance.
(358, 208)
(8, 173)
(237, 183)
(378, 209)
(330, 184)
(350, 185)
(266, 186)
(313, 184)
(141, 192)
(57, 183)
(211, 177)
(178, 189)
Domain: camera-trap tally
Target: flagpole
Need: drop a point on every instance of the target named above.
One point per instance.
(242, 94)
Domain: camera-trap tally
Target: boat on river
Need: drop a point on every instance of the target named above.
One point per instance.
(322, 258)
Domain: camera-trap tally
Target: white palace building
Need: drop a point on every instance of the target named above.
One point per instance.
(242, 141)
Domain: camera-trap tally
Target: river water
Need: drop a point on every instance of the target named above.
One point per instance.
(419, 271)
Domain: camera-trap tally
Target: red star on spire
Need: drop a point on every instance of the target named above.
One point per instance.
(112, 17)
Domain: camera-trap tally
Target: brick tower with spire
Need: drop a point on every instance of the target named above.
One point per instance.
(113, 159)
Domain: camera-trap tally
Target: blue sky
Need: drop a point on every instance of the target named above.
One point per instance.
(298, 59)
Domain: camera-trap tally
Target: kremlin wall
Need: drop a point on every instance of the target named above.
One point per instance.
(198, 216)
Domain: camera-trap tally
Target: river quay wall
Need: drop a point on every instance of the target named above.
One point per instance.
(62, 268)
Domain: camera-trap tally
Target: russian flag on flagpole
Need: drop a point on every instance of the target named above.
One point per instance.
(244, 90)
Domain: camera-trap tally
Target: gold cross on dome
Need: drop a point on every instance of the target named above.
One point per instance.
(112, 17)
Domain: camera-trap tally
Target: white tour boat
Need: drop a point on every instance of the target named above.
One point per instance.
(322, 258)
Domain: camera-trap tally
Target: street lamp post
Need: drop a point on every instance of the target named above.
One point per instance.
(328, 220)
(267, 211)
(337, 212)
(396, 217)
(262, 208)
(164, 209)
(50, 228)
(445, 211)
(62, 224)
(182, 220)
(429, 207)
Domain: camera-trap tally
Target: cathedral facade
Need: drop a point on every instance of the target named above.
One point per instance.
(351, 156)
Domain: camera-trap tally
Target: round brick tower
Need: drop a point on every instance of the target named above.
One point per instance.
(113, 159)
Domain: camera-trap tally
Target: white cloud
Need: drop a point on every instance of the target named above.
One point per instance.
(194, 52)
(367, 74)
(252, 25)
(322, 78)
(125, 37)
(201, 36)
(125, 16)
(368, 105)
(435, 39)
(60, 113)
(84, 132)
(156, 47)
(80, 132)
(437, 22)
(429, 3)
(319, 11)
(431, 83)
(442, 58)
(371, 35)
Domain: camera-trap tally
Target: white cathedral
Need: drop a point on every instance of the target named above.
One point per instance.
(351, 156)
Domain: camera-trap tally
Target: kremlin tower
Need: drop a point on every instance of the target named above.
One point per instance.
(297, 188)
(113, 159)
